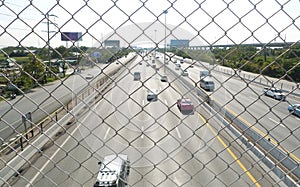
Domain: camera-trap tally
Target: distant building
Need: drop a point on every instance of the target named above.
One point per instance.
(179, 43)
(112, 43)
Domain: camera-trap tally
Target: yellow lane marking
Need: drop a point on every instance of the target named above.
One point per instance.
(231, 153)
(264, 135)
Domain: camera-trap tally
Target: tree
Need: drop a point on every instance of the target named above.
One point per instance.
(60, 52)
(34, 68)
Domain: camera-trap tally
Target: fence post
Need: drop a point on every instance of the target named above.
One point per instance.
(25, 126)
(21, 141)
(56, 117)
(41, 127)
(28, 116)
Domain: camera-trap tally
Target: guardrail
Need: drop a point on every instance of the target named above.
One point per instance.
(251, 77)
(276, 158)
(13, 167)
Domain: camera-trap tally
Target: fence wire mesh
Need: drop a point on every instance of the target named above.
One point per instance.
(150, 93)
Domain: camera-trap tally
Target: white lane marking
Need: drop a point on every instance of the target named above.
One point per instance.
(166, 102)
(142, 132)
(57, 150)
(178, 133)
(277, 122)
(143, 102)
(52, 157)
(251, 97)
(105, 136)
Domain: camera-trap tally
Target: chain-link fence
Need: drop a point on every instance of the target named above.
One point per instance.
(150, 93)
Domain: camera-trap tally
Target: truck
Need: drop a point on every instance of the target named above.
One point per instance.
(113, 171)
(207, 83)
(275, 93)
(185, 106)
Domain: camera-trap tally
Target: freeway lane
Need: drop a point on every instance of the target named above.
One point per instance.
(165, 147)
(43, 101)
(247, 101)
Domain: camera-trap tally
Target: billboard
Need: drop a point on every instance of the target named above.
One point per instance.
(71, 36)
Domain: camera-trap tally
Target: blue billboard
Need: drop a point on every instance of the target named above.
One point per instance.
(71, 36)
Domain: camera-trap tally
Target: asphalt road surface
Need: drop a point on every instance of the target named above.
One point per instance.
(165, 147)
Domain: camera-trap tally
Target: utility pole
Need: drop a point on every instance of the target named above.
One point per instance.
(47, 15)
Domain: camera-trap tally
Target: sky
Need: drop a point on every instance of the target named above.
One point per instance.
(24, 22)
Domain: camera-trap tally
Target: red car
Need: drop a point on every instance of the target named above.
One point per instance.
(185, 105)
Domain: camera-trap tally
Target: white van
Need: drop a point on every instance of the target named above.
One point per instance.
(207, 84)
(114, 171)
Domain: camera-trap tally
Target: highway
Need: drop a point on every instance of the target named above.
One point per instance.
(165, 147)
(46, 99)
(248, 102)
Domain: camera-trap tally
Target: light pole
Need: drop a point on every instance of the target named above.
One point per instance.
(165, 12)
(47, 15)
(155, 44)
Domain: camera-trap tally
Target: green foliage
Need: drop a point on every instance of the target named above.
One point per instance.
(61, 52)
(270, 62)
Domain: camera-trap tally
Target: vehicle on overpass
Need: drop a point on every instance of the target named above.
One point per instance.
(275, 93)
(114, 171)
(294, 109)
(185, 106)
(207, 83)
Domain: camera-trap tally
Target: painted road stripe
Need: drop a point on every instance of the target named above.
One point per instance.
(263, 134)
(105, 136)
(57, 150)
(178, 133)
(231, 153)
(276, 122)
(142, 136)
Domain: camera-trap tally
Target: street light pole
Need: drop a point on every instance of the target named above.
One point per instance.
(165, 12)
(48, 36)
(155, 46)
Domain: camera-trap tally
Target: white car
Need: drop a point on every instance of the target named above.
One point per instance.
(185, 73)
(89, 76)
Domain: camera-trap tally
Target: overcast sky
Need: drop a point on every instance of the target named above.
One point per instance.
(210, 21)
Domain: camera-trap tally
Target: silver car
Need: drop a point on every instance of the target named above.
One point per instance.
(294, 109)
